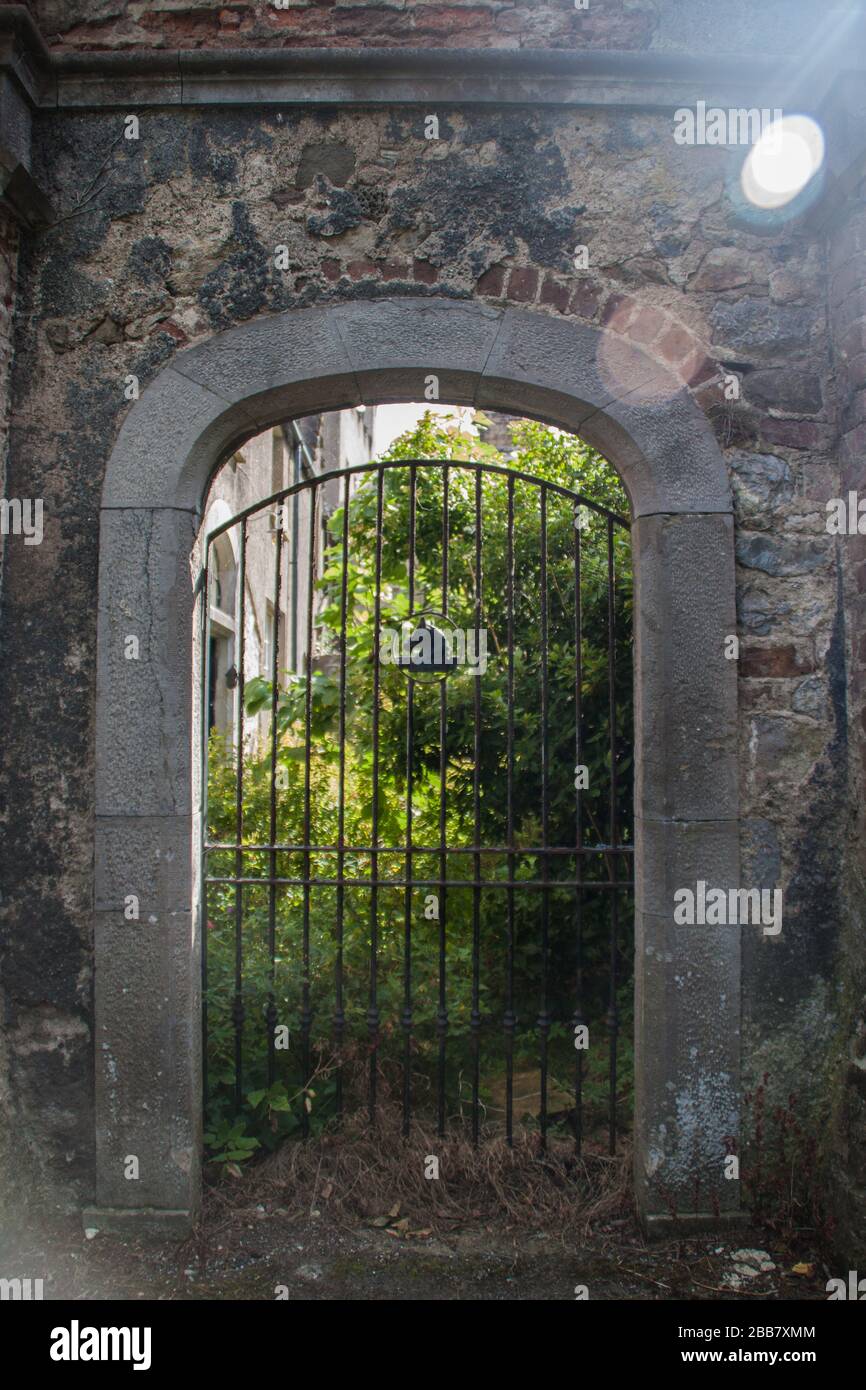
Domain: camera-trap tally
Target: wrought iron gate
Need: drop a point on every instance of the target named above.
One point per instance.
(418, 841)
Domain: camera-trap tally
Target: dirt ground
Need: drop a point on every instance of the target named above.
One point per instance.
(256, 1252)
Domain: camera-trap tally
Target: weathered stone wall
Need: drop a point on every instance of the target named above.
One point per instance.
(9, 237)
(179, 242)
(8, 275)
(847, 262)
(685, 25)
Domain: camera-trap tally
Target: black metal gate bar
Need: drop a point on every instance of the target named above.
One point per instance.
(537, 851)
(613, 1013)
(238, 1010)
(306, 1016)
(406, 1019)
(475, 1016)
(271, 1011)
(442, 1007)
(373, 1009)
(579, 1020)
(510, 1022)
(608, 886)
(386, 464)
(339, 1014)
(204, 657)
(544, 1014)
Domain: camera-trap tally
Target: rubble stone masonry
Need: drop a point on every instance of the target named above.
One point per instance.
(160, 242)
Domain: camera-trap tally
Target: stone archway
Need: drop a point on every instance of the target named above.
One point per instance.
(147, 1007)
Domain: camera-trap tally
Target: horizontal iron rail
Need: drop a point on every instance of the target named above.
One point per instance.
(307, 484)
(515, 850)
(549, 883)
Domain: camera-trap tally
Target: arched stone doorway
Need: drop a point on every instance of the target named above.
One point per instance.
(187, 421)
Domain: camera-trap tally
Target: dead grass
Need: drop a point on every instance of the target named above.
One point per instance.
(377, 1175)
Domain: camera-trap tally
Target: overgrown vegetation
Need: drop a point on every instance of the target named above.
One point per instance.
(273, 1112)
(781, 1170)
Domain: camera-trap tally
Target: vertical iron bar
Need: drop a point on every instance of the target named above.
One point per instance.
(306, 1017)
(271, 1011)
(475, 1015)
(203, 811)
(442, 1010)
(510, 1020)
(543, 1015)
(296, 531)
(373, 1008)
(612, 1016)
(339, 1015)
(406, 1019)
(238, 1008)
(579, 1020)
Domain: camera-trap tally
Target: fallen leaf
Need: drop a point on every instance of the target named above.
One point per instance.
(805, 1271)
(395, 1210)
(327, 1190)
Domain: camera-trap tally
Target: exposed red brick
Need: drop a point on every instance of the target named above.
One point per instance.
(618, 312)
(492, 281)
(585, 300)
(556, 293)
(175, 330)
(675, 344)
(522, 284)
(422, 23)
(774, 661)
(452, 19)
(394, 270)
(331, 269)
(425, 272)
(698, 368)
(361, 270)
(645, 325)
